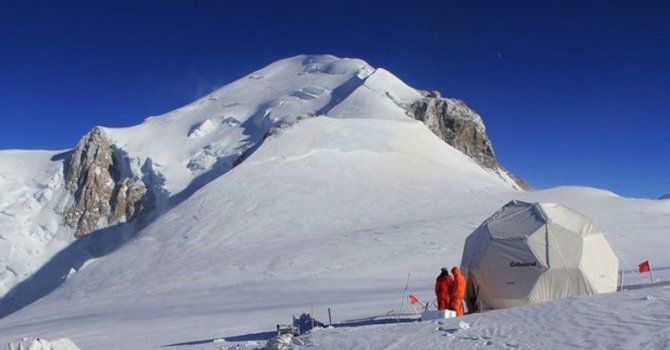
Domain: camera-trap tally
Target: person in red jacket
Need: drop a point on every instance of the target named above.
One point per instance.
(457, 291)
(443, 286)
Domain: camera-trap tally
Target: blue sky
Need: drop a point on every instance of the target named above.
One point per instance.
(571, 93)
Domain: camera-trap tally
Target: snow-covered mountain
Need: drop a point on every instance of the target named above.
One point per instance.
(665, 196)
(311, 183)
(130, 175)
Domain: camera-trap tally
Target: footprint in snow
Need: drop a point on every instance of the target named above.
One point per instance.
(474, 337)
(449, 330)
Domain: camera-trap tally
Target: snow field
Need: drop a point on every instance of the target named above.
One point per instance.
(333, 212)
(258, 245)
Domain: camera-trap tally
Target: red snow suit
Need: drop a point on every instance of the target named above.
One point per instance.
(458, 291)
(443, 285)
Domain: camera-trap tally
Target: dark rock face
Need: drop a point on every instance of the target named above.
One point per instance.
(455, 123)
(665, 196)
(277, 129)
(99, 193)
(461, 127)
(128, 200)
(90, 182)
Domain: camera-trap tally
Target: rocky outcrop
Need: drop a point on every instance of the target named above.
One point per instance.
(665, 196)
(101, 193)
(90, 182)
(128, 200)
(278, 128)
(461, 127)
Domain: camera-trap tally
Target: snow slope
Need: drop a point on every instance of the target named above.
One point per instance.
(212, 132)
(181, 151)
(630, 320)
(333, 211)
(314, 219)
(31, 186)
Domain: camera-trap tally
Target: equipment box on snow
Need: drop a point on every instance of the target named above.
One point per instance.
(288, 329)
(437, 315)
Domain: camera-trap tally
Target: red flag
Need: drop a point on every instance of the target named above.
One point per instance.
(413, 299)
(644, 267)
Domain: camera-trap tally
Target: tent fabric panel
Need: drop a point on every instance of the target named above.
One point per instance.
(568, 218)
(600, 264)
(560, 283)
(502, 303)
(505, 272)
(537, 243)
(516, 219)
(565, 246)
(475, 247)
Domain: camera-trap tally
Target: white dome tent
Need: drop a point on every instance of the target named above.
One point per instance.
(529, 253)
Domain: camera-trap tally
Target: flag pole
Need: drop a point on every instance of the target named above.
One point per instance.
(404, 293)
(651, 274)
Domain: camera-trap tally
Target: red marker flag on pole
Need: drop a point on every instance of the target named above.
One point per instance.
(644, 267)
